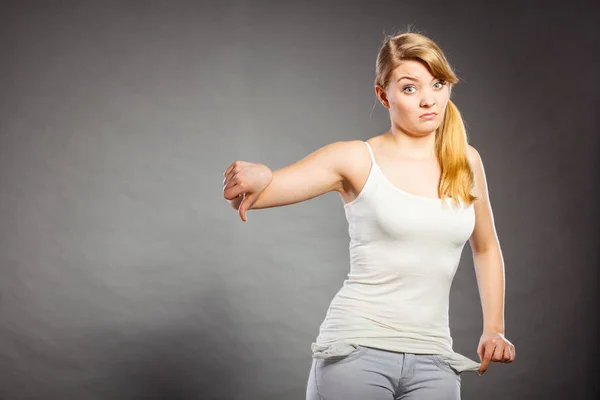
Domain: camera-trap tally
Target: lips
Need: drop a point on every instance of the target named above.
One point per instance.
(428, 115)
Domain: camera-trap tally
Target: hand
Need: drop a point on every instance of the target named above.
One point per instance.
(493, 346)
(243, 183)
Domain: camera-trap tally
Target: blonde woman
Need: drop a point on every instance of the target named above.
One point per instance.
(412, 196)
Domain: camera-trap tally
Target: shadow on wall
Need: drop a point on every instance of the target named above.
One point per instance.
(179, 361)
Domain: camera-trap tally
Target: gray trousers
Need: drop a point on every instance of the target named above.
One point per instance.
(373, 374)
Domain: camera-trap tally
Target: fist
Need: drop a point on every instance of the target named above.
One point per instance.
(494, 347)
(243, 183)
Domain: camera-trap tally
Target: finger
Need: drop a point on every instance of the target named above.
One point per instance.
(232, 190)
(227, 183)
(231, 175)
(236, 165)
(244, 205)
(227, 170)
(507, 355)
(499, 353)
(480, 349)
(234, 181)
(231, 166)
(487, 357)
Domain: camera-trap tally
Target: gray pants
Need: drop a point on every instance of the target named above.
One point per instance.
(373, 374)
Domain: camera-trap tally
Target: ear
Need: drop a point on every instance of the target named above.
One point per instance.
(382, 96)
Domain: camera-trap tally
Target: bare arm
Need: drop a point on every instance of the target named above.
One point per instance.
(487, 256)
(255, 186)
(489, 270)
(318, 173)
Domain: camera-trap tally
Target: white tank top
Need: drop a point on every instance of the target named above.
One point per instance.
(404, 252)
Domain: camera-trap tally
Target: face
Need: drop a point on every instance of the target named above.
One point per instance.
(411, 94)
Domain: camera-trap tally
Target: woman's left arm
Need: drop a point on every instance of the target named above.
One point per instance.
(489, 271)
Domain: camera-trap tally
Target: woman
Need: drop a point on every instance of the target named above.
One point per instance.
(412, 196)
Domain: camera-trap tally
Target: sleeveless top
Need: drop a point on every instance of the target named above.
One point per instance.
(404, 253)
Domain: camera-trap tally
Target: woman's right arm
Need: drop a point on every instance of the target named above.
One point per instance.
(320, 172)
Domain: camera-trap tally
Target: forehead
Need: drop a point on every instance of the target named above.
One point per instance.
(413, 69)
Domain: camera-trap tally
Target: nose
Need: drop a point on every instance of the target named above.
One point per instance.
(428, 99)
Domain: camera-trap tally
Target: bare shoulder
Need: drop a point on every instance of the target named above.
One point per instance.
(351, 156)
(338, 155)
(347, 146)
(473, 156)
(354, 164)
(476, 164)
(342, 154)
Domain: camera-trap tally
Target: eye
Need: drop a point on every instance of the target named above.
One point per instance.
(408, 87)
(440, 84)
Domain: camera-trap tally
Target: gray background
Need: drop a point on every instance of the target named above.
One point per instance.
(124, 274)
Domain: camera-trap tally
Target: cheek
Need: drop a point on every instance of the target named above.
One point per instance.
(404, 105)
(443, 98)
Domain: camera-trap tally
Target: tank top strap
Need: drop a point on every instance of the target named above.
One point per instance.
(371, 153)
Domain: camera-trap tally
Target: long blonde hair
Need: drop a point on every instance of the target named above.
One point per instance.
(457, 181)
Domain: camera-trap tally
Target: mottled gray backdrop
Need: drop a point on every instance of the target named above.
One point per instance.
(125, 275)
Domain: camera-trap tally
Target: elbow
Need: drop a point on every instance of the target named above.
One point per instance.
(486, 249)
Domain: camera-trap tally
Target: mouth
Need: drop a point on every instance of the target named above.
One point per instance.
(428, 115)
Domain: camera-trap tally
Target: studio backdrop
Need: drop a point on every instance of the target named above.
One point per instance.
(124, 273)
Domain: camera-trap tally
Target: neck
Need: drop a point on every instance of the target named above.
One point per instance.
(412, 146)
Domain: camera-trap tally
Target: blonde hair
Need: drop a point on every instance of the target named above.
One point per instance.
(457, 181)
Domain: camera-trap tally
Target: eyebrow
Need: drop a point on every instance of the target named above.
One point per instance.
(411, 78)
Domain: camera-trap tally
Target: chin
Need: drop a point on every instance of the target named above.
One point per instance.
(428, 127)
(424, 131)
(420, 129)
